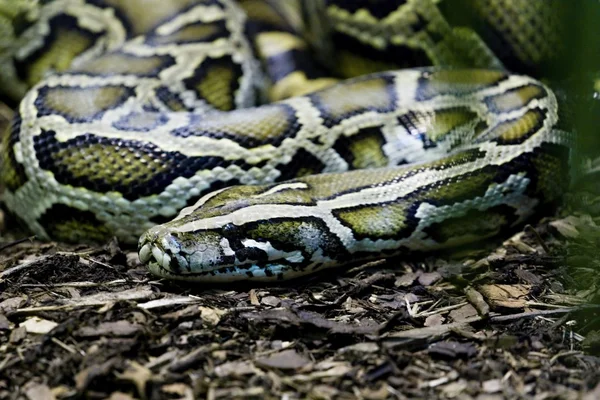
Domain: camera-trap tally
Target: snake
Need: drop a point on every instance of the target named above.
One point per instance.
(266, 140)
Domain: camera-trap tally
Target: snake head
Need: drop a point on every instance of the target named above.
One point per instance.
(240, 235)
(199, 255)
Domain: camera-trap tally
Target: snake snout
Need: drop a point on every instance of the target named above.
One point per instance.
(159, 250)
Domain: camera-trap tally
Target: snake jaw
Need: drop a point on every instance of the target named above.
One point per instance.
(159, 250)
(145, 253)
(158, 260)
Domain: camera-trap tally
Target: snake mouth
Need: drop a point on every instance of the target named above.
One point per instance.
(162, 253)
(158, 260)
(163, 263)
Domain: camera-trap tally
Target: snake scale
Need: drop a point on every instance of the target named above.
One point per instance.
(265, 140)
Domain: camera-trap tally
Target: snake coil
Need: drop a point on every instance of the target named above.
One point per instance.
(135, 117)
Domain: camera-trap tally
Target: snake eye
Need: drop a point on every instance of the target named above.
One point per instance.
(230, 230)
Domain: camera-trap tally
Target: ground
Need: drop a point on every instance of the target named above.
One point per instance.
(512, 319)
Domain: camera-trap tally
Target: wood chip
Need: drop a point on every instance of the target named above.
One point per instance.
(477, 300)
(454, 389)
(429, 278)
(271, 301)
(38, 391)
(9, 306)
(18, 334)
(335, 371)
(184, 391)
(138, 375)
(190, 359)
(254, 298)
(211, 316)
(529, 277)
(492, 386)
(84, 377)
(4, 323)
(434, 320)
(287, 359)
(431, 331)
(366, 347)
(406, 280)
(463, 314)
(38, 325)
(117, 328)
(593, 394)
(185, 313)
(235, 369)
(168, 302)
(506, 296)
(453, 349)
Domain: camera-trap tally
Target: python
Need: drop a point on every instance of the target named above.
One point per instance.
(226, 140)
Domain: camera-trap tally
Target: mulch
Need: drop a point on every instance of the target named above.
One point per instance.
(513, 319)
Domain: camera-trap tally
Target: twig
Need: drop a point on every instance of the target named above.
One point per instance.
(64, 345)
(532, 314)
(564, 354)
(84, 284)
(15, 242)
(6, 273)
(440, 310)
(430, 332)
(538, 238)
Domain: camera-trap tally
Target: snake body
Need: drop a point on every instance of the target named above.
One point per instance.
(132, 118)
